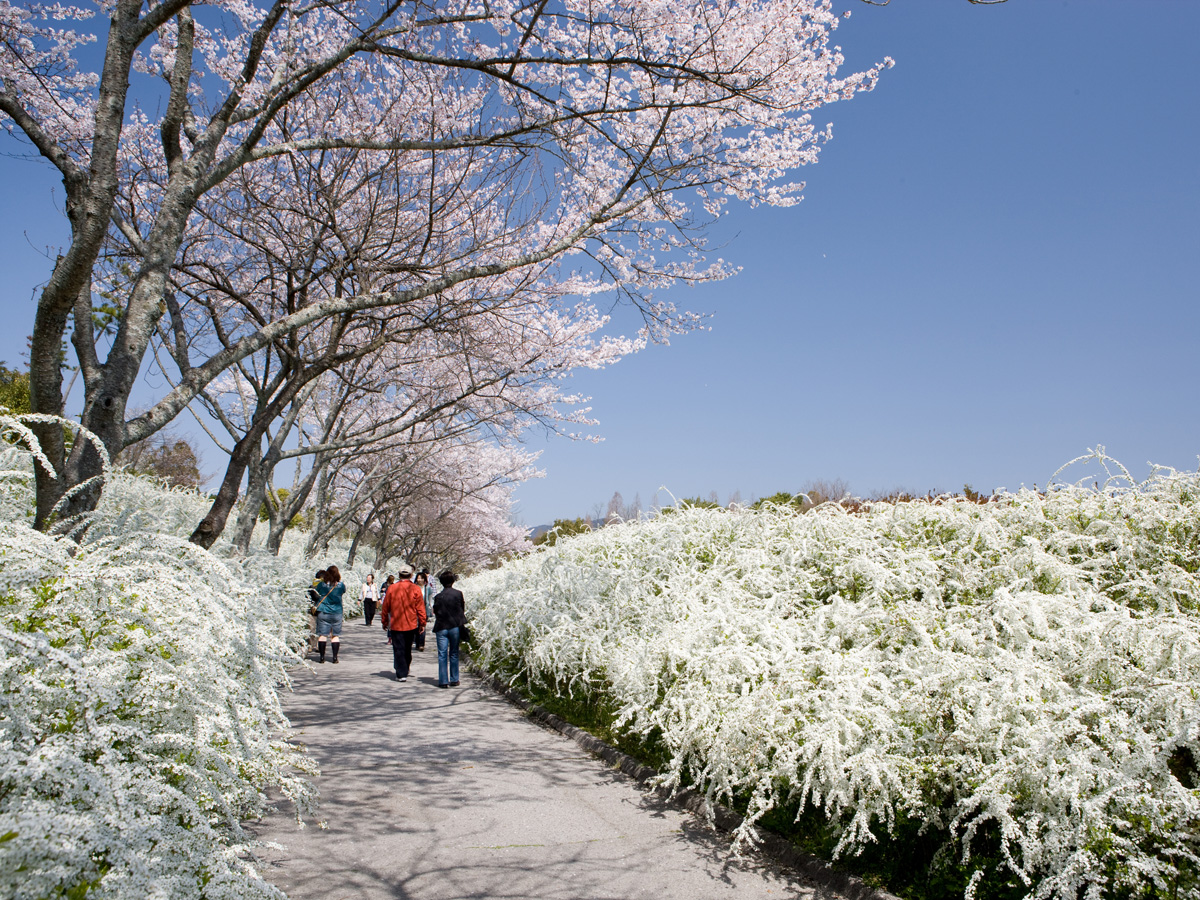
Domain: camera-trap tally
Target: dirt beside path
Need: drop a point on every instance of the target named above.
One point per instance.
(447, 794)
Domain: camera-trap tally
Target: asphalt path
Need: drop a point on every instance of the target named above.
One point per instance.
(437, 794)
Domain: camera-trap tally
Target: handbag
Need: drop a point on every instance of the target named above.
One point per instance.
(464, 634)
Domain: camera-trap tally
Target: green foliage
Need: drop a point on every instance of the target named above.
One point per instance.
(14, 390)
(562, 528)
(781, 498)
(596, 713)
(698, 503)
(973, 495)
(276, 499)
(813, 493)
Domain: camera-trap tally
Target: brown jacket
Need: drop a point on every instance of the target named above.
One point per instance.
(403, 607)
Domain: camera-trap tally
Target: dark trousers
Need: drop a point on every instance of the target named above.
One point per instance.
(402, 644)
(369, 610)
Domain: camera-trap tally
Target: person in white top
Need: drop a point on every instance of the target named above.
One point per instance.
(370, 597)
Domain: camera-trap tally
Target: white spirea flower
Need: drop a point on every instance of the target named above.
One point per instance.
(1029, 665)
(140, 722)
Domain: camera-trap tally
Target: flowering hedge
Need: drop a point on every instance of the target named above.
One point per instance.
(1023, 673)
(140, 722)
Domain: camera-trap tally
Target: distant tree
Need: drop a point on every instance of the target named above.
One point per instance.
(14, 389)
(563, 528)
(824, 491)
(780, 498)
(620, 511)
(275, 500)
(974, 496)
(698, 503)
(616, 509)
(814, 493)
(164, 455)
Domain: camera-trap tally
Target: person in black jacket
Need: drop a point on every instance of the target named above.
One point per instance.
(314, 598)
(450, 613)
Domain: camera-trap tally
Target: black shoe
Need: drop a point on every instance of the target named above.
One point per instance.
(454, 684)
(443, 685)
(321, 660)
(332, 660)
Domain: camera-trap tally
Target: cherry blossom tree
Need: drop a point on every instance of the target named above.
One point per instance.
(335, 228)
(539, 132)
(441, 502)
(489, 381)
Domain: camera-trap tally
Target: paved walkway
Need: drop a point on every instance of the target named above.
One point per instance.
(447, 794)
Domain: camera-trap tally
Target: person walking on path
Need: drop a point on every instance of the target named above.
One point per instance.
(403, 615)
(450, 610)
(370, 596)
(314, 598)
(329, 611)
(422, 581)
(387, 583)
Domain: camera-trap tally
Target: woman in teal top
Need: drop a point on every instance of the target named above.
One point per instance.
(329, 611)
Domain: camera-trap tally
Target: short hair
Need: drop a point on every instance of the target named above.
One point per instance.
(447, 578)
(332, 575)
(320, 574)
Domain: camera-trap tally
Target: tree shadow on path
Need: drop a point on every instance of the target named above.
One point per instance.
(439, 794)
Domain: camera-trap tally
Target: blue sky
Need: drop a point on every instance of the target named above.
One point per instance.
(994, 268)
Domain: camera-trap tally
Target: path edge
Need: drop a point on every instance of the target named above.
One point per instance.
(777, 848)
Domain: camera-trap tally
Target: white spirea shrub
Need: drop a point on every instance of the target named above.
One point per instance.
(140, 721)
(1027, 668)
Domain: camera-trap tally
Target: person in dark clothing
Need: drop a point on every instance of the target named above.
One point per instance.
(313, 599)
(387, 583)
(450, 614)
(422, 581)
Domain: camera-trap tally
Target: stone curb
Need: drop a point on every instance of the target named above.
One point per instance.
(777, 848)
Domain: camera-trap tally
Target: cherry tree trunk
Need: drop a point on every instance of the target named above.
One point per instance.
(256, 494)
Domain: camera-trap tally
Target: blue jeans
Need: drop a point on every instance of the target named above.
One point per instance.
(447, 642)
